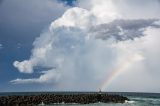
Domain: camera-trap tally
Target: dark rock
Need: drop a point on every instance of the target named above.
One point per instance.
(31, 100)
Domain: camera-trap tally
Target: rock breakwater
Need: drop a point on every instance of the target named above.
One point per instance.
(32, 100)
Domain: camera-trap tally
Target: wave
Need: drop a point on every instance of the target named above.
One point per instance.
(126, 101)
(146, 99)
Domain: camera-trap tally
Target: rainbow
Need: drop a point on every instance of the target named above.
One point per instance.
(119, 69)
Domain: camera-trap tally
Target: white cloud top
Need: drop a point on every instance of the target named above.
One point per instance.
(75, 17)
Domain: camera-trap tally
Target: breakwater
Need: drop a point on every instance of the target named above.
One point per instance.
(31, 100)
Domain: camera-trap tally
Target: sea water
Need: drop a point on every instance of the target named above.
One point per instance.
(136, 99)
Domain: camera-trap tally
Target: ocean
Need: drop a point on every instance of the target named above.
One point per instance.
(136, 99)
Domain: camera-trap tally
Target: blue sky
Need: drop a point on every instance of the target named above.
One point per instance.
(40, 52)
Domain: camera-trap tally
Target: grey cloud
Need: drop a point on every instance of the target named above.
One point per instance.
(30, 12)
(122, 30)
(1, 1)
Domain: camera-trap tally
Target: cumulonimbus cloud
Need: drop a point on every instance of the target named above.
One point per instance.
(81, 48)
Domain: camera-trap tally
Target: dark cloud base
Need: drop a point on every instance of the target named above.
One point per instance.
(122, 30)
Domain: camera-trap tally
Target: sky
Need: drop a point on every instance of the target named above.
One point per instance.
(79, 45)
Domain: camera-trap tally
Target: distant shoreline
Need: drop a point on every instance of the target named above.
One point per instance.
(73, 92)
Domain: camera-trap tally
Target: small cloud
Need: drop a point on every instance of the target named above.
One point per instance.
(1, 46)
(19, 45)
(24, 67)
(157, 23)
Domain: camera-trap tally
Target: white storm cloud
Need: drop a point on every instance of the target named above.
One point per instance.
(82, 46)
